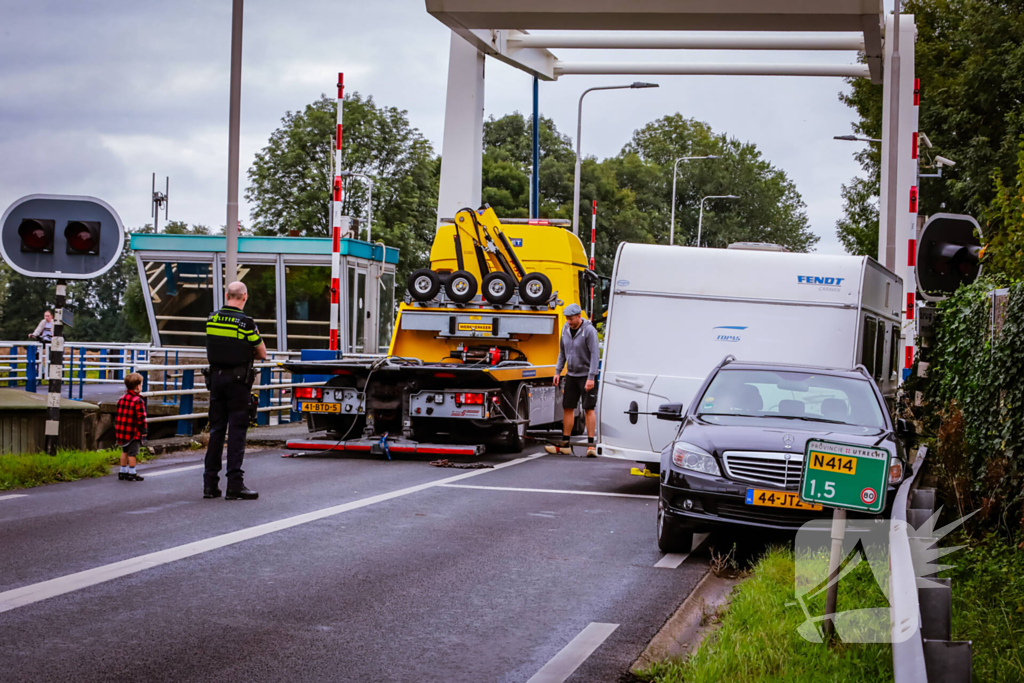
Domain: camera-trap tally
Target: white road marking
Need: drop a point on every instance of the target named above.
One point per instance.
(578, 493)
(575, 653)
(43, 590)
(12, 495)
(172, 470)
(672, 560)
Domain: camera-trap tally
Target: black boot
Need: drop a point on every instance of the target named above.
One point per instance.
(211, 492)
(240, 493)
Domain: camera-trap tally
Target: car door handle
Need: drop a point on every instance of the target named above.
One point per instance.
(628, 383)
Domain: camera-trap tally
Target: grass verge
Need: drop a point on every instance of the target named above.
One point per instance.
(988, 605)
(34, 469)
(758, 639)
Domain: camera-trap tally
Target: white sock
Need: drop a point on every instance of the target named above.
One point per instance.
(123, 469)
(131, 470)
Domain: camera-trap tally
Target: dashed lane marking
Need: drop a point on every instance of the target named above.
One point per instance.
(172, 470)
(12, 495)
(26, 595)
(575, 653)
(673, 560)
(577, 493)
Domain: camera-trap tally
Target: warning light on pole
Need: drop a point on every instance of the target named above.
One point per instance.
(36, 235)
(83, 237)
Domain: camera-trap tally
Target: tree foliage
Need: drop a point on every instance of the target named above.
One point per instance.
(291, 178)
(1004, 223)
(970, 59)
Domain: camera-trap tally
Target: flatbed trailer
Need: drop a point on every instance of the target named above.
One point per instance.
(468, 366)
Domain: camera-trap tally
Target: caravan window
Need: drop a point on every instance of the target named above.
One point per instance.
(867, 347)
(894, 357)
(880, 351)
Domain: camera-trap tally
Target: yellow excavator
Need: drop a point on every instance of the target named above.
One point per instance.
(474, 348)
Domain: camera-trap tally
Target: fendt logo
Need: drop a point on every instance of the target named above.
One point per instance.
(825, 284)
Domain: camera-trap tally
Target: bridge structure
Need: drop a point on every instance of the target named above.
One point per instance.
(533, 36)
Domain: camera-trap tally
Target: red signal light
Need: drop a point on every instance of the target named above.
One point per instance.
(469, 399)
(308, 392)
(83, 237)
(36, 235)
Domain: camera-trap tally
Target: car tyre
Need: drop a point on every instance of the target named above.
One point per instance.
(424, 284)
(461, 286)
(671, 537)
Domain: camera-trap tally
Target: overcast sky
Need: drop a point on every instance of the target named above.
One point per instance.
(96, 95)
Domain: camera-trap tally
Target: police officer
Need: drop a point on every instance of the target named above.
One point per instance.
(232, 344)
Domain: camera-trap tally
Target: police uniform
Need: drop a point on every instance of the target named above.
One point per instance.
(231, 336)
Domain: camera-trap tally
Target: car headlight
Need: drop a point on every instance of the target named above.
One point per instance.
(690, 457)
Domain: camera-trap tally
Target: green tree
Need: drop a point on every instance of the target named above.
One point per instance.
(1004, 222)
(858, 228)
(291, 178)
(970, 59)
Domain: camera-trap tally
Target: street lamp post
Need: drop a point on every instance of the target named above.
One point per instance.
(579, 127)
(700, 221)
(675, 168)
(369, 199)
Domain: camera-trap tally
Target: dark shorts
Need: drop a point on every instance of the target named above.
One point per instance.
(573, 391)
(131, 449)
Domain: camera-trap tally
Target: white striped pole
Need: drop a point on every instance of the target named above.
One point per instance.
(56, 372)
(336, 229)
(593, 241)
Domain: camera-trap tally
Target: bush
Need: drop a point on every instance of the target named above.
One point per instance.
(34, 469)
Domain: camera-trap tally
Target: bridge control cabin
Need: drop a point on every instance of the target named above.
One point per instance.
(289, 281)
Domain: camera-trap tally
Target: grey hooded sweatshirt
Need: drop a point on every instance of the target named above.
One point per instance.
(580, 353)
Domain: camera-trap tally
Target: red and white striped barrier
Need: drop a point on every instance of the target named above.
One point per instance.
(336, 228)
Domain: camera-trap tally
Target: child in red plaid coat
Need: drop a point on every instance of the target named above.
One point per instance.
(130, 426)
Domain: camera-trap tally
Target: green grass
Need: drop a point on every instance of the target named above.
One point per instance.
(34, 469)
(758, 640)
(988, 605)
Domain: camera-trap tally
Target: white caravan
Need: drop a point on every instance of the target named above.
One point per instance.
(676, 312)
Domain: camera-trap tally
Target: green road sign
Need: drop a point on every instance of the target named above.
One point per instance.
(845, 476)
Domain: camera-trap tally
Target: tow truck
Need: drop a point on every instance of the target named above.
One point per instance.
(473, 351)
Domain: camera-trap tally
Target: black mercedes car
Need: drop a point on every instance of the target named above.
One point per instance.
(737, 458)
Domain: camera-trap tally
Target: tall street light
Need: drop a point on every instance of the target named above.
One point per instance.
(579, 126)
(369, 201)
(675, 167)
(700, 221)
(234, 109)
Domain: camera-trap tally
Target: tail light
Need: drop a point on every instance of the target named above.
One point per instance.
(309, 392)
(469, 399)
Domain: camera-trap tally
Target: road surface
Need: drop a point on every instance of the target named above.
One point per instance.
(344, 570)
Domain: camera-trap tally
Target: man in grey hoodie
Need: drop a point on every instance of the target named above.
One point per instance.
(578, 354)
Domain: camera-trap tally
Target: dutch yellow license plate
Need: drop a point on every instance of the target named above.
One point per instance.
(778, 499)
(321, 407)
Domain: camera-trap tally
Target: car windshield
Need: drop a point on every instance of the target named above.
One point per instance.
(794, 395)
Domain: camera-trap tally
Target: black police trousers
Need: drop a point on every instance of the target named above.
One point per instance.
(229, 416)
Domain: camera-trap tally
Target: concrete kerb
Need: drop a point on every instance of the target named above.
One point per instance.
(263, 437)
(687, 628)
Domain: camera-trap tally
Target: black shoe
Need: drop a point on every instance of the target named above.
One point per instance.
(132, 476)
(241, 494)
(121, 476)
(211, 492)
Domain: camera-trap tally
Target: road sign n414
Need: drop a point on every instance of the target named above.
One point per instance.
(845, 476)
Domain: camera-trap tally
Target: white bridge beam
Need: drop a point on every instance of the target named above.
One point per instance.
(710, 69)
(687, 41)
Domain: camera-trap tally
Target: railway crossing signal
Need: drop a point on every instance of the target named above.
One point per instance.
(949, 254)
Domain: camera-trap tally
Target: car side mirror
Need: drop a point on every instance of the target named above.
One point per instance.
(903, 429)
(670, 411)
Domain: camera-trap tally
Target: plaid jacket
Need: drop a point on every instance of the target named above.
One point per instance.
(130, 419)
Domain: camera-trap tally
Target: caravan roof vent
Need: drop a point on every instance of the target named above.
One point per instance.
(757, 246)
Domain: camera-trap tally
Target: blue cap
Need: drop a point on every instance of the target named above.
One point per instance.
(571, 310)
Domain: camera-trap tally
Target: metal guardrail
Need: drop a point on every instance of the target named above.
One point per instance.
(921, 608)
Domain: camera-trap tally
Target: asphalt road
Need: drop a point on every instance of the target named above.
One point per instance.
(345, 570)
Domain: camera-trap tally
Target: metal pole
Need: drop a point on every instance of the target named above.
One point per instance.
(894, 151)
(535, 177)
(576, 172)
(672, 224)
(335, 317)
(529, 177)
(593, 263)
(700, 221)
(56, 372)
(369, 212)
(834, 559)
(231, 230)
